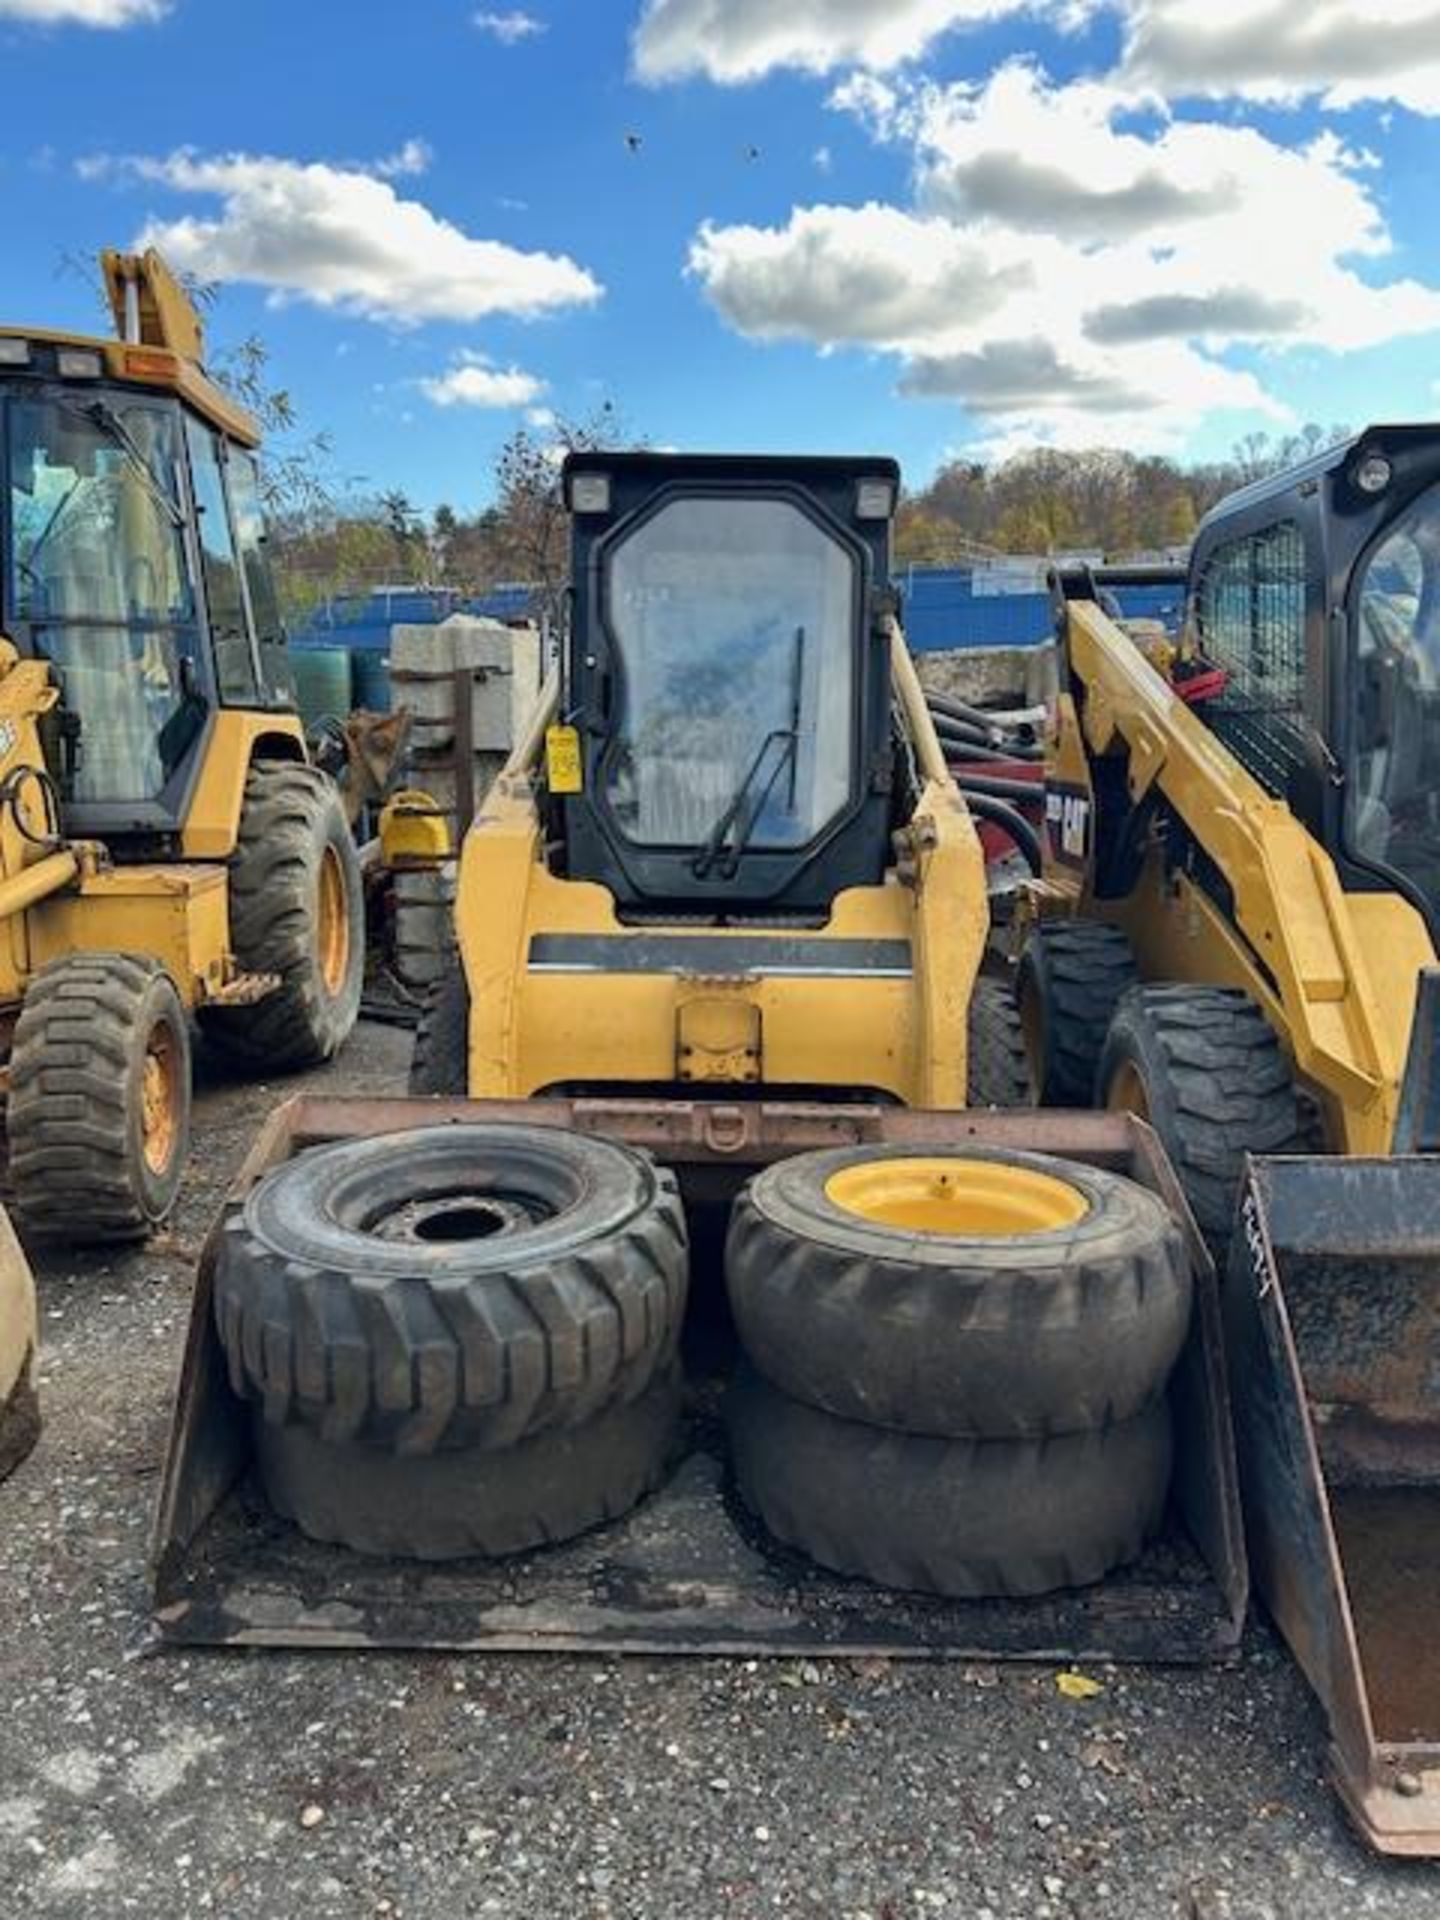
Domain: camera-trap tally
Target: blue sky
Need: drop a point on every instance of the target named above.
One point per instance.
(913, 226)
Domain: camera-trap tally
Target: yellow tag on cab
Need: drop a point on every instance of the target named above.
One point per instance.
(563, 768)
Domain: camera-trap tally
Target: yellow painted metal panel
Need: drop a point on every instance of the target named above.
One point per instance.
(180, 915)
(232, 740)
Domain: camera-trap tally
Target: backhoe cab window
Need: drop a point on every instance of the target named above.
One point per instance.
(95, 542)
(735, 622)
(1394, 786)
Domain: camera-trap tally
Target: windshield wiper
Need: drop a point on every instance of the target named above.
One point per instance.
(114, 428)
(741, 816)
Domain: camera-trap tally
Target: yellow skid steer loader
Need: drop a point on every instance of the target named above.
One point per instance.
(1236, 940)
(717, 1005)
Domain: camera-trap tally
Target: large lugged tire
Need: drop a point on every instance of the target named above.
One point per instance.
(98, 1115)
(1072, 976)
(967, 1518)
(296, 909)
(999, 1068)
(445, 1506)
(440, 1062)
(451, 1286)
(1204, 1067)
(974, 1292)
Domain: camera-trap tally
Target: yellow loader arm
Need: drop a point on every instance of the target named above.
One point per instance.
(1333, 971)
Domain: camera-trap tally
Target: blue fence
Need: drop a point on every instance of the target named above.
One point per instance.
(942, 611)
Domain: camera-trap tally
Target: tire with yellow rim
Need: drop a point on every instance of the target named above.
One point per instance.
(968, 1293)
(98, 1116)
(296, 910)
(970, 1519)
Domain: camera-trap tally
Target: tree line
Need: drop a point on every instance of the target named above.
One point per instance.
(1047, 501)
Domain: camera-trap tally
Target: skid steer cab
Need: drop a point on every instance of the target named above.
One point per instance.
(166, 851)
(731, 836)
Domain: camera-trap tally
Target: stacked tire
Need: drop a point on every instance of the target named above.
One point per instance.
(955, 1365)
(457, 1341)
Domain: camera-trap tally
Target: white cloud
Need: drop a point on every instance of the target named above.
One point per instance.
(84, 13)
(731, 41)
(1341, 51)
(508, 28)
(411, 159)
(473, 382)
(842, 275)
(341, 237)
(1285, 50)
(1075, 269)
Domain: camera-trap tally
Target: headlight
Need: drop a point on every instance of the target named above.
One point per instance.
(79, 363)
(590, 493)
(14, 353)
(1373, 473)
(874, 500)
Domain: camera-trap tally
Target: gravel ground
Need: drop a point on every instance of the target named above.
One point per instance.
(273, 1785)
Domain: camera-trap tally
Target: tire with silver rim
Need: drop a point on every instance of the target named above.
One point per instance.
(448, 1287)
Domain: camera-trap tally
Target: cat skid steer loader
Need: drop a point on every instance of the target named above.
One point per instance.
(1237, 940)
(719, 928)
(166, 850)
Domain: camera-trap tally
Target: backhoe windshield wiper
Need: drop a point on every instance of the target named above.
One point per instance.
(98, 414)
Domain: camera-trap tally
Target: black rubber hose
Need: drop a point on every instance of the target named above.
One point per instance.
(1026, 839)
(960, 738)
(1004, 718)
(960, 751)
(1000, 789)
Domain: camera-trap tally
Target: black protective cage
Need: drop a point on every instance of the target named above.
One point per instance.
(851, 848)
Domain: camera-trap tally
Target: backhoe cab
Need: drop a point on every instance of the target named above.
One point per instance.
(136, 565)
(165, 848)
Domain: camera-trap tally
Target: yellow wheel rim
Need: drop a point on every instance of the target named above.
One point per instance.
(332, 923)
(1126, 1092)
(963, 1198)
(160, 1100)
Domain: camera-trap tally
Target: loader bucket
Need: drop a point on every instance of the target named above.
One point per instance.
(19, 1405)
(686, 1572)
(1332, 1311)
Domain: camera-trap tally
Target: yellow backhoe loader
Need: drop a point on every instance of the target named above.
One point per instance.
(166, 850)
(1237, 940)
